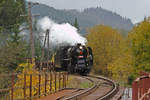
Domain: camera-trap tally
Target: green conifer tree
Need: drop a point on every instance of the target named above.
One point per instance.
(10, 14)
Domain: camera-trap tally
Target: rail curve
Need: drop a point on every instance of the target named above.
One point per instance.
(106, 96)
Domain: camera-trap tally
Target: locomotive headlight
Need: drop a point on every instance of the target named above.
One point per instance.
(81, 47)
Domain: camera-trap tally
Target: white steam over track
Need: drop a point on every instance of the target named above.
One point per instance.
(60, 33)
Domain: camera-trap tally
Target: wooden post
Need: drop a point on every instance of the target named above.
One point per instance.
(25, 86)
(59, 80)
(63, 80)
(39, 85)
(55, 81)
(30, 86)
(45, 83)
(51, 78)
(12, 87)
(67, 77)
(31, 33)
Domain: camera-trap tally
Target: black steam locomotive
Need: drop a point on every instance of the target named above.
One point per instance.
(76, 59)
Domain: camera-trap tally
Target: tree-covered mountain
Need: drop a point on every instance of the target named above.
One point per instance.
(87, 18)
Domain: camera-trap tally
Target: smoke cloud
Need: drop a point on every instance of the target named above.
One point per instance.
(60, 33)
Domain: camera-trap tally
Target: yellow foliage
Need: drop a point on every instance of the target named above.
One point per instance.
(112, 54)
(28, 70)
(53, 58)
(140, 43)
(121, 68)
(105, 43)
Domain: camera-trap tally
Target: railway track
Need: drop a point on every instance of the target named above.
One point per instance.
(102, 89)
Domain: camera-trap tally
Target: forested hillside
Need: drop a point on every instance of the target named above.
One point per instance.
(86, 19)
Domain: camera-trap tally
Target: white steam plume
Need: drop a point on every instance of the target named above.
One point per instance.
(61, 33)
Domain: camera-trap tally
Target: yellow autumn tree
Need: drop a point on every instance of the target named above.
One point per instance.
(121, 67)
(105, 42)
(140, 43)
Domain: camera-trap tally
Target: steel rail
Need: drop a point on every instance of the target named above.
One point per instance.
(112, 92)
(86, 92)
(108, 95)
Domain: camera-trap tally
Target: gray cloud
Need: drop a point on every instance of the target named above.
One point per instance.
(133, 9)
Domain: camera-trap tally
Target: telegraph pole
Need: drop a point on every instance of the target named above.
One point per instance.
(29, 17)
(31, 32)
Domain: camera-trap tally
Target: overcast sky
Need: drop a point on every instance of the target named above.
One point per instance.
(133, 9)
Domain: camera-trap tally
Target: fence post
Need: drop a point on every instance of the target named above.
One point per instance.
(45, 83)
(67, 77)
(25, 86)
(55, 81)
(51, 82)
(59, 80)
(30, 86)
(39, 85)
(12, 87)
(63, 80)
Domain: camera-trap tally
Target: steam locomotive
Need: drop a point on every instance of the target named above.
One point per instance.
(75, 59)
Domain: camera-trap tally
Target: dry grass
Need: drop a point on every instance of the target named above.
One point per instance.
(79, 82)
